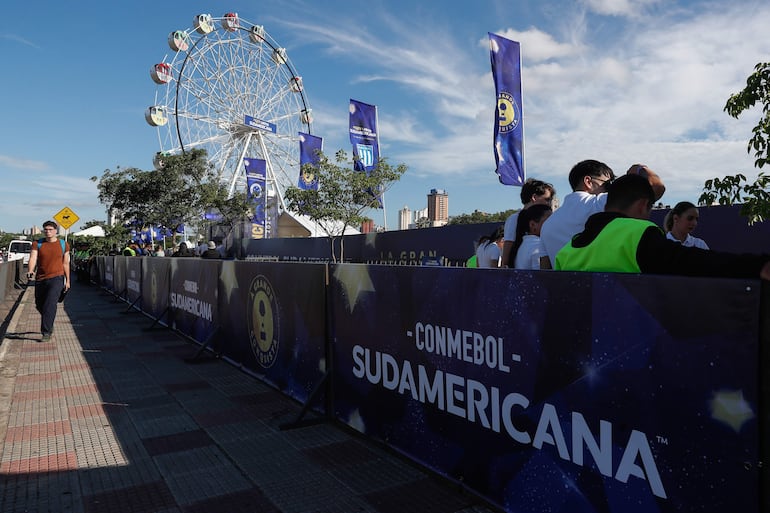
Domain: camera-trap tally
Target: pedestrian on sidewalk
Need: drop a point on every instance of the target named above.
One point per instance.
(52, 258)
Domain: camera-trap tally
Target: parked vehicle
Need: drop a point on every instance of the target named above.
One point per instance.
(19, 249)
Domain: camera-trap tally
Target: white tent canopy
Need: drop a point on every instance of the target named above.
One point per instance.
(94, 231)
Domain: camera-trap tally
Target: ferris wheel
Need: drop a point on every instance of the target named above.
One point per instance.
(230, 89)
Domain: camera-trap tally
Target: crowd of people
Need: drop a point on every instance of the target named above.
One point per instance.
(208, 250)
(603, 226)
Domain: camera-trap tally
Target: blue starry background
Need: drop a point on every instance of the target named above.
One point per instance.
(672, 357)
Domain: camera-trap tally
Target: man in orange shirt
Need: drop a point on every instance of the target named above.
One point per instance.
(52, 258)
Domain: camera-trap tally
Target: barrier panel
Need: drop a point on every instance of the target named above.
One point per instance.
(119, 275)
(273, 322)
(449, 245)
(193, 297)
(108, 279)
(156, 275)
(100, 269)
(133, 279)
(10, 274)
(722, 227)
(563, 392)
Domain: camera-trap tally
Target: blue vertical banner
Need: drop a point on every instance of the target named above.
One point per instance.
(257, 194)
(509, 131)
(309, 148)
(363, 135)
(364, 138)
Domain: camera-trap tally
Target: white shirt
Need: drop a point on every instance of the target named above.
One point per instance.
(530, 251)
(689, 242)
(569, 219)
(486, 253)
(509, 230)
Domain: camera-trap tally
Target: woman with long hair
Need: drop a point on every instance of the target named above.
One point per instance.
(528, 251)
(489, 249)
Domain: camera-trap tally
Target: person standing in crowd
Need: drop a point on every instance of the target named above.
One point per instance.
(221, 249)
(622, 239)
(679, 224)
(528, 251)
(51, 257)
(588, 179)
(532, 192)
(183, 251)
(489, 248)
(211, 252)
(159, 251)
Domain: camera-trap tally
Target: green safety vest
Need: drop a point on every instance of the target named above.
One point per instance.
(613, 250)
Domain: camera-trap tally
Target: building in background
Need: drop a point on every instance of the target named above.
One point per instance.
(367, 226)
(420, 218)
(404, 218)
(438, 207)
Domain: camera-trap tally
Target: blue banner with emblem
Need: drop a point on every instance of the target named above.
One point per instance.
(509, 131)
(364, 138)
(309, 148)
(257, 195)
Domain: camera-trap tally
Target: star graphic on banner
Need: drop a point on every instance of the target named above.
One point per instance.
(731, 408)
(227, 277)
(370, 238)
(354, 278)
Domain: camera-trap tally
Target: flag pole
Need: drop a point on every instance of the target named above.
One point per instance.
(377, 124)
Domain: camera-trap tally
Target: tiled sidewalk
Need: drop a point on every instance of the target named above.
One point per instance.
(109, 417)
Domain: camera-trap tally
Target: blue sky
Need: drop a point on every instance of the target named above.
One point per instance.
(620, 81)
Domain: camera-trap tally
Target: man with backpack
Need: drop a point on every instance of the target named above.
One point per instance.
(52, 258)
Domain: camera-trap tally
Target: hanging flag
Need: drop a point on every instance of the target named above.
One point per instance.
(255, 181)
(509, 131)
(309, 146)
(364, 138)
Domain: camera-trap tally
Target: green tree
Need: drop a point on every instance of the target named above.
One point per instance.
(422, 222)
(179, 193)
(481, 217)
(343, 194)
(734, 189)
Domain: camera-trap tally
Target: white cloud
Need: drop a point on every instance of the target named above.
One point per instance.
(18, 39)
(538, 46)
(653, 94)
(23, 164)
(628, 8)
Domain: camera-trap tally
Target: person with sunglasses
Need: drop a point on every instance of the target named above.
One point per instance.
(680, 222)
(589, 180)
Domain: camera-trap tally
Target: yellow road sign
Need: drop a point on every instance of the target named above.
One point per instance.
(66, 218)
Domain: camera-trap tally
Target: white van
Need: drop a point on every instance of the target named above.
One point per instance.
(19, 249)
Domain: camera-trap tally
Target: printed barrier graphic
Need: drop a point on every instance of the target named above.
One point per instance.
(119, 275)
(561, 392)
(270, 318)
(156, 274)
(538, 390)
(133, 279)
(108, 278)
(273, 322)
(193, 297)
